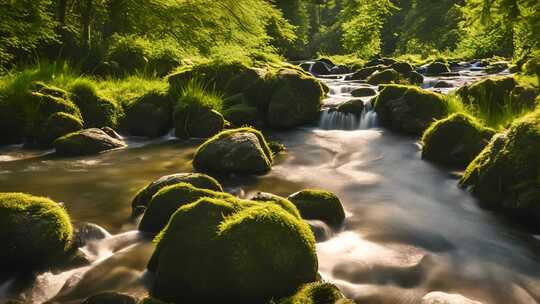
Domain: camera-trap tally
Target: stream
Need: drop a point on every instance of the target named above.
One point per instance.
(409, 229)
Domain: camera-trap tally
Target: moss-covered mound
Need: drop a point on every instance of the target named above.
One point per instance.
(165, 202)
(231, 254)
(278, 200)
(409, 109)
(505, 175)
(363, 92)
(364, 73)
(85, 142)
(354, 106)
(197, 121)
(243, 115)
(382, 77)
(317, 293)
(455, 140)
(150, 115)
(34, 231)
(242, 151)
(97, 111)
(437, 68)
(59, 124)
(198, 180)
(319, 205)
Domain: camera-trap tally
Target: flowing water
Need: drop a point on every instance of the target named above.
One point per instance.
(409, 229)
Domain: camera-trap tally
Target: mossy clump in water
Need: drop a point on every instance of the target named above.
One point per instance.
(198, 180)
(242, 151)
(319, 205)
(197, 121)
(505, 175)
(317, 293)
(231, 253)
(409, 109)
(278, 200)
(149, 115)
(383, 77)
(97, 111)
(455, 140)
(34, 231)
(165, 202)
(58, 125)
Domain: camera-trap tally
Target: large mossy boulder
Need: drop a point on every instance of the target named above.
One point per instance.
(150, 115)
(34, 231)
(97, 110)
(455, 140)
(241, 151)
(167, 200)
(278, 200)
(437, 68)
(197, 121)
(409, 109)
(317, 293)
(295, 100)
(86, 142)
(198, 180)
(505, 175)
(383, 77)
(231, 253)
(58, 125)
(320, 205)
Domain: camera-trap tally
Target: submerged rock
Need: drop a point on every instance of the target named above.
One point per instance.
(319, 205)
(505, 175)
(242, 151)
(437, 297)
(34, 232)
(85, 142)
(409, 109)
(455, 140)
(198, 180)
(232, 254)
(111, 298)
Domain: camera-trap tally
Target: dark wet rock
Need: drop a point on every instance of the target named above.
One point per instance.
(319, 205)
(112, 133)
(443, 84)
(150, 115)
(455, 140)
(383, 77)
(437, 68)
(34, 231)
(305, 66)
(409, 109)
(198, 180)
(320, 229)
(242, 151)
(381, 61)
(340, 69)
(111, 298)
(320, 68)
(363, 92)
(364, 73)
(437, 297)
(77, 259)
(243, 115)
(354, 106)
(326, 61)
(415, 78)
(196, 121)
(212, 236)
(87, 232)
(85, 142)
(450, 74)
(496, 67)
(402, 67)
(504, 176)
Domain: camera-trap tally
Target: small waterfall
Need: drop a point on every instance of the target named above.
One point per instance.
(332, 119)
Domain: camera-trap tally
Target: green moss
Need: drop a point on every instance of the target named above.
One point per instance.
(96, 110)
(243, 115)
(191, 120)
(455, 140)
(34, 231)
(383, 77)
(167, 200)
(316, 293)
(278, 200)
(59, 124)
(505, 175)
(319, 205)
(198, 180)
(149, 115)
(532, 66)
(367, 71)
(222, 154)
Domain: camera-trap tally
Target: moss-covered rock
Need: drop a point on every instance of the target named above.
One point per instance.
(111, 298)
(150, 115)
(296, 99)
(317, 293)
(490, 91)
(34, 231)
(197, 121)
(58, 125)
(455, 140)
(415, 78)
(505, 175)
(437, 68)
(402, 67)
(354, 106)
(319, 205)
(243, 115)
(243, 151)
(278, 200)
(409, 109)
(85, 142)
(496, 67)
(97, 111)
(364, 73)
(167, 200)
(46, 105)
(382, 77)
(363, 92)
(198, 180)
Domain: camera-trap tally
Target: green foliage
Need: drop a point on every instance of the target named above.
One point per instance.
(197, 93)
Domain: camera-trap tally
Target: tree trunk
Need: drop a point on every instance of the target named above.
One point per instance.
(86, 24)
